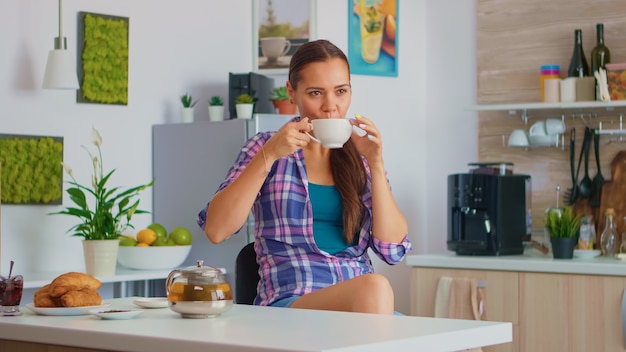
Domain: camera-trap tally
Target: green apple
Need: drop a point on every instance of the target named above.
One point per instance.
(127, 241)
(158, 229)
(181, 236)
(160, 241)
(170, 242)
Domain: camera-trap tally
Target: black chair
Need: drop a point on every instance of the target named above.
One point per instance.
(246, 275)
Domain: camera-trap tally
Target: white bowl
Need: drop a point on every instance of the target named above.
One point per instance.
(152, 258)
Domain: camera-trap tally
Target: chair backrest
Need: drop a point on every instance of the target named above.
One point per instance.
(246, 275)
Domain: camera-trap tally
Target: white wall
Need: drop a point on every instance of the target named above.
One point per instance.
(190, 46)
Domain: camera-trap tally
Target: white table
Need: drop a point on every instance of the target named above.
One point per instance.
(254, 328)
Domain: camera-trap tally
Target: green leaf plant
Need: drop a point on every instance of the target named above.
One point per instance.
(113, 208)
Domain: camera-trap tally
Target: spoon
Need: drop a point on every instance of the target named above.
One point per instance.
(586, 183)
(10, 269)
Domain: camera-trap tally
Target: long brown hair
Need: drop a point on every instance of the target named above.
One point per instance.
(346, 164)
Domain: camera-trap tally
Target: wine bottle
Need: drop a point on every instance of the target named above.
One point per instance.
(600, 55)
(578, 66)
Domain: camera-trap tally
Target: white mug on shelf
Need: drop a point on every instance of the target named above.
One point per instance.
(518, 138)
(555, 126)
(538, 129)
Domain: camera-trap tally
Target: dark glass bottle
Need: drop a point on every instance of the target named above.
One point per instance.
(600, 55)
(578, 66)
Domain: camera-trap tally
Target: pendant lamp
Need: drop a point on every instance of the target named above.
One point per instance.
(60, 68)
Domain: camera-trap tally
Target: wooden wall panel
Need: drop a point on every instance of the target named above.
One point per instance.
(516, 37)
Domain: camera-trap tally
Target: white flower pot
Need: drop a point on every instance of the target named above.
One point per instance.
(187, 115)
(216, 113)
(244, 111)
(100, 256)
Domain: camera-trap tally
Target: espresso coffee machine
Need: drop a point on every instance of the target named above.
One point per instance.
(488, 211)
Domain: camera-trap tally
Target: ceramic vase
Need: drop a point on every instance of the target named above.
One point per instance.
(284, 107)
(216, 113)
(244, 111)
(187, 115)
(563, 247)
(100, 256)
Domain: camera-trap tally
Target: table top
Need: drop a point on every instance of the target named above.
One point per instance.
(521, 263)
(254, 328)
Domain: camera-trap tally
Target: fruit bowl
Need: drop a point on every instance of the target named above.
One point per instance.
(152, 258)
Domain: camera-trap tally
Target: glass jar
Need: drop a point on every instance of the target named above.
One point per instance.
(587, 238)
(608, 240)
(622, 247)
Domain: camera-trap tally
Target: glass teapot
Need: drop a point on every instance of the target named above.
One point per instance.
(198, 291)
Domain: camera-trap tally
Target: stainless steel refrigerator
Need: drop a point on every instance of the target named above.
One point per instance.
(189, 161)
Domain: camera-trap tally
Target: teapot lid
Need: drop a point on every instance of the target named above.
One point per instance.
(199, 270)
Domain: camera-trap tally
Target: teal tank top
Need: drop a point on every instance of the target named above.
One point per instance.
(327, 218)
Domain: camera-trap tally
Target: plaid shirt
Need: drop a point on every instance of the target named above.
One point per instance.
(290, 261)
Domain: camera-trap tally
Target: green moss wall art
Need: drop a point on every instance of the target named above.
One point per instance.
(103, 59)
(32, 171)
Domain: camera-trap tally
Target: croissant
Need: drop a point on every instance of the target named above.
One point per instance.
(43, 299)
(73, 281)
(81, 298)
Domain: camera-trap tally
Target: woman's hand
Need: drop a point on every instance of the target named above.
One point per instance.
(288, 139)
(370, 145)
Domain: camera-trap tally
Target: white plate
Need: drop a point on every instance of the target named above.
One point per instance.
(115, 314)
(586, 253)
(152, 302)
(64, 311)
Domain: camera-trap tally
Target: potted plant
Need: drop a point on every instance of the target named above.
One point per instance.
(244, 105)
(562, 226)
(101, 226)
(216, 108)
(280, 98)
(188, 104)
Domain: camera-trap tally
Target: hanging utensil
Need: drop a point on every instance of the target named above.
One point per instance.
(586, 183)
(570, 195)
(598, 180)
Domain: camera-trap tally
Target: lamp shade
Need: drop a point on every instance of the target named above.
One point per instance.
(60, 71)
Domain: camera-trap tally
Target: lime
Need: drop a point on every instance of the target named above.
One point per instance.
(181, 236)
(170, 242)
(127, 241)
(160, 241)
(158, 229)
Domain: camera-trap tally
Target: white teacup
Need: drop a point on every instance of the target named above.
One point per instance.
(518, 138)
(538, 129)
(332, 132)
(274, 47)
(554, 126)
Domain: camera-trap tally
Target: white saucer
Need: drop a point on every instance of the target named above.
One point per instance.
(586, 253)
(152, 302)
(115, 314)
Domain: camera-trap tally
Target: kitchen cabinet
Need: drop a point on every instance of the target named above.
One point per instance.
(570, 312)
(554, 305)
(501, 303)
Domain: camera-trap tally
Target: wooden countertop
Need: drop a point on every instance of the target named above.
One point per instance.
(254, 328)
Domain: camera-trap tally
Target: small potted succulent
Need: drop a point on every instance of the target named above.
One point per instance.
(216, 108)
(188, 104)
(244, 105)
(562, 225)
(280, 98)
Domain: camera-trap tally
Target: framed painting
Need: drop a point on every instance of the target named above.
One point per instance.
(31, 169)
(102, 59)
(280, 27)
(373, 37)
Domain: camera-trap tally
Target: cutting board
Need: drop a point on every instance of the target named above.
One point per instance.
(613, 196)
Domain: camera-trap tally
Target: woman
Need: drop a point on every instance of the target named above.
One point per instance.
(316, 210)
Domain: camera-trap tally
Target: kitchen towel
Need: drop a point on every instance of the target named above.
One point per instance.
(460, 298)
